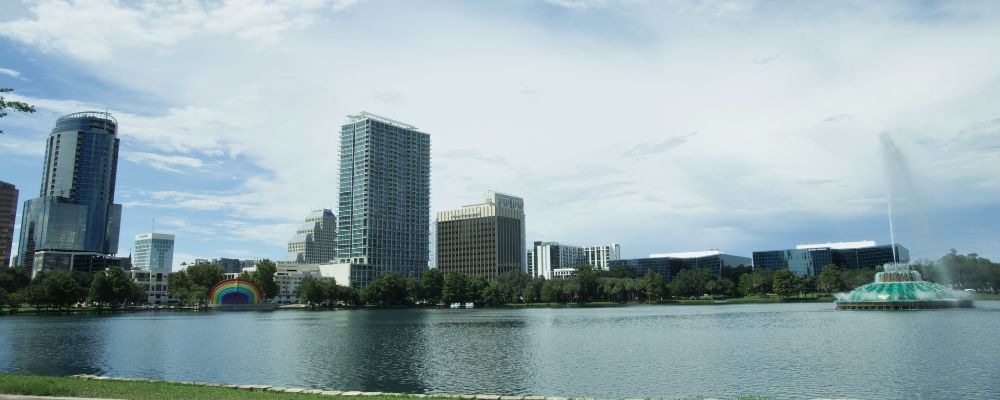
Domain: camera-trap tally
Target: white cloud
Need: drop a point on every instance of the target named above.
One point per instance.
(168, 163)
(547, 111)
(11, 73)
(93, 30)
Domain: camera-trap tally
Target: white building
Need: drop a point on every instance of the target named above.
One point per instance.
(289, 276)
(550, 256)
(315, 241)
(155, 282)
(599, 255)
(153, 251)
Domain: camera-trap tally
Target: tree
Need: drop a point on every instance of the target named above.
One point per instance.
(101, 291)
(413, 290)
(179, 285)
(587, 280)
(492, 295)
(264, 277)
(474, 289)
(61, 289)
(14, 105)
(656, 287)
(511, 285)
(757, 283)
(388, 289)
(205, 275)
(311, 291)
(454, 288)
(552, 291)
(431, 284)
(785, 283)
(691, 282)
(34, 293)
(829, 279)
(14, 279)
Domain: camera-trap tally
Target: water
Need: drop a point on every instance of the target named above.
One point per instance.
(774, 350)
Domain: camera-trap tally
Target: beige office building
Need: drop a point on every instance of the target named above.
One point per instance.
(484, 240)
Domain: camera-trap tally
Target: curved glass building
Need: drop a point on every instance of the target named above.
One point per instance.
(75, 210)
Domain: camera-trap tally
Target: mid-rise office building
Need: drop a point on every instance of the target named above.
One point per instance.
(550, 256)
(384, 198)
(599, 255)
(156, 282)
(669, 264)
(484, 240)
(8, 211)
(809, 259)
(153, 251)
(75, 210)
(315, 241)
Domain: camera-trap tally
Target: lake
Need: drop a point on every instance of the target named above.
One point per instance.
(774, 350)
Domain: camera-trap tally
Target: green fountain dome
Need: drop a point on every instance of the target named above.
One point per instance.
(900, 288)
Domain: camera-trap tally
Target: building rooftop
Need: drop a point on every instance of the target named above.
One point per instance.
(367, 115)
(837, 245)
(688, 254)
(89, 114)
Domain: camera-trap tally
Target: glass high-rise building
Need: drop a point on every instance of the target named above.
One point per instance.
(384, 198)
(153, 251)
(75, 210)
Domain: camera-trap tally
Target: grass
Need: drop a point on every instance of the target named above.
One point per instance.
(34, 385)
(137, 390)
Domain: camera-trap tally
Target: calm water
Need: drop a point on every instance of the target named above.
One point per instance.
(775, 350)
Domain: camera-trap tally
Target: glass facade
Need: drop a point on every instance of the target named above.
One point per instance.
(75, 209)
(811, 261)
(667, 267)
(384, 196)
(153, 251)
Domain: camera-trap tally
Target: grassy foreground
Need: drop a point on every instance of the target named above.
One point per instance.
(75, 387)
(35, 385)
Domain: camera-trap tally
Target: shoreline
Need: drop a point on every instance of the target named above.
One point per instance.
(97, 386)
(301, 307)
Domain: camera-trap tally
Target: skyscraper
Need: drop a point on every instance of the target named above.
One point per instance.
(153, 251)
(75, 211)
(315, 241)
(8, 211)
(484, 240)
(384, 197)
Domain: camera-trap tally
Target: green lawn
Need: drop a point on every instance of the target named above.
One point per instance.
(75, 387)
(138, 390)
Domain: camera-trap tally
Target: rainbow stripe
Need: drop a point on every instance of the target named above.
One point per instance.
(235, 291)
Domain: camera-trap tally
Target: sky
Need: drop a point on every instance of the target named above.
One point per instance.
(664, 126)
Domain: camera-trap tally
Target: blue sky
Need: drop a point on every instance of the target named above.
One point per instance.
(663, 126)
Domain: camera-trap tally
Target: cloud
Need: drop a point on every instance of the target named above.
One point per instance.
(94, 29)
(268, 88)
(167, 163)
(646, 149)
(11, 73)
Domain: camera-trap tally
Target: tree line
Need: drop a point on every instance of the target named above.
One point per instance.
(191, 285)
(60, 290)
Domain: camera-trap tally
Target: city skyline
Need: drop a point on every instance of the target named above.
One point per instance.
(743, 159)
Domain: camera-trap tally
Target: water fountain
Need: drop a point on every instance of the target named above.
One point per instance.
(898, 287)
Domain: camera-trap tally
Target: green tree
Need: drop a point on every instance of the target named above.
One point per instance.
(691, 282)
(431, 285)
(454, 288)
(18, 106)
(474, 289)
(414, 292)
(656, 287)
(829, 279)
(34, 294)
(511, 285)
(785, 283)
(311, 291)
(179, 285)
(14, 279)
(205, 275)
(264, 277)
(492, 295)
(61, 289)
(756, 283)
(101, 291)
(552, 291)
(586, 278)
(388, 289)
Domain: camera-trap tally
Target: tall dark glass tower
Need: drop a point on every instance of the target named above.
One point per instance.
(384, 196)
(75, 210)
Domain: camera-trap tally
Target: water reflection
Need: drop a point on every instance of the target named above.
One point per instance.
(776, 350)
